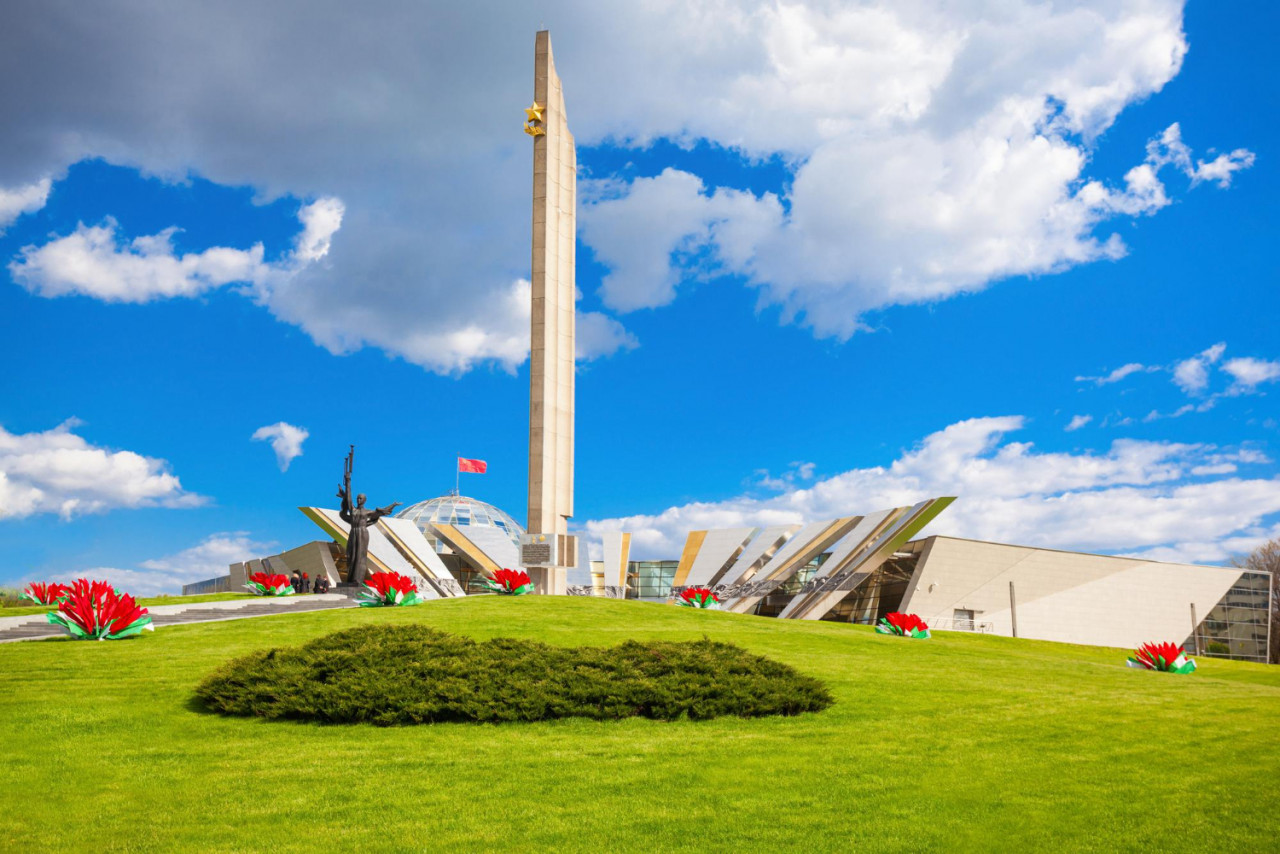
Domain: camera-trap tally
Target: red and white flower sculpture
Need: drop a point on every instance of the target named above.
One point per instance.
(1165, 657)
(388, 588)
(905, 625)
(698, 597)
(45, 594)
(94, 610)
(266, 584)
(509, 582)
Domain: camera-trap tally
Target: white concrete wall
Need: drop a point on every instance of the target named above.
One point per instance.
(1063, 596)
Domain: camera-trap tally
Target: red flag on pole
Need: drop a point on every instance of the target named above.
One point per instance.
(471, 466)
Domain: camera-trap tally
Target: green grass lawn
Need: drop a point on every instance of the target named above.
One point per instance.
(958, 743)
(25, 610)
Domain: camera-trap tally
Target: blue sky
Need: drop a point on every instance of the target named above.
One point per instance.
(830, 258)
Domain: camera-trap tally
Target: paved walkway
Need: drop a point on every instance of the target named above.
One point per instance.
(37, 626)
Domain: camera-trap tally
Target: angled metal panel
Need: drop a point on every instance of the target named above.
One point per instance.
(615, 556)
(460, 543)
(845, 552)
(811, 541)
(337, 532)
(495, 543)
(765, 545)
(409, 538)
(831, 590)
(719, 550)
(692, 545)
(406, 536)
(616, 548)
(857, 539)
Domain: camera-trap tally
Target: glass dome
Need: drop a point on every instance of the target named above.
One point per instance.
(461, 511)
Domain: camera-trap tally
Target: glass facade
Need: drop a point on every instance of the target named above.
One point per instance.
(1237, 625)
(462, 512)
(650, 579)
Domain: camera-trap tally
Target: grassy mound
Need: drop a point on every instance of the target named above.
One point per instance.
(407, 674)
(966, 742)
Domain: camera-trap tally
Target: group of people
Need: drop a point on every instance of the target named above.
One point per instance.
(302, 583)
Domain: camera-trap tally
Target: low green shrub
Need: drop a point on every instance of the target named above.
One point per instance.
(389, 675)
(1217, 648)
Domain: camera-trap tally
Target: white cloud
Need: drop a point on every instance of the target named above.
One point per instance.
(874, 221)
(1078, 421)
(599, 335)
(23, 200)
(57, 471)
(1169, 148)
(1136, 495)
(1192, 375)
(937, 146)
(286, 440)
(1117, 375)
(1249, 373)
(93, 262)
(320, 222)
(1221, 168)
(1212, 551)
(166, 575)
(797, 471)
(652, 232)
(1156, 415)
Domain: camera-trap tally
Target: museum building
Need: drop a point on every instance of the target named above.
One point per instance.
(852, 569)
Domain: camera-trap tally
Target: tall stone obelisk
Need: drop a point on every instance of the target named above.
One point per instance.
(548, 549)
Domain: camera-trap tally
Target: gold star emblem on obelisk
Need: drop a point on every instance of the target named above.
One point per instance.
(533, 120)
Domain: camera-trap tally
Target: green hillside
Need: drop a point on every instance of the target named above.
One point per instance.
(961, 742)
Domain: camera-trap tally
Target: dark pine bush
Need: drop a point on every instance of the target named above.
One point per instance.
(389, 675)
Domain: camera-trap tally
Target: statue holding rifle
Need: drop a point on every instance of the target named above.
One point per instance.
(359, 518)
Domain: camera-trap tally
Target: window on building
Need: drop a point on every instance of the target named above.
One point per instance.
(1237, 626)
(650, 579)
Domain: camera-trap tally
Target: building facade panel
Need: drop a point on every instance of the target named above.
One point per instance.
(720, 548)
(615, 555)
(891, 535)
(757, 553)
(1063, 596)
(810, 542)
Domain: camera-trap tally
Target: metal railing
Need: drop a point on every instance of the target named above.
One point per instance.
(954, 625)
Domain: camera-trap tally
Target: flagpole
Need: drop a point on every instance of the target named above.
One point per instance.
(457, 476)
